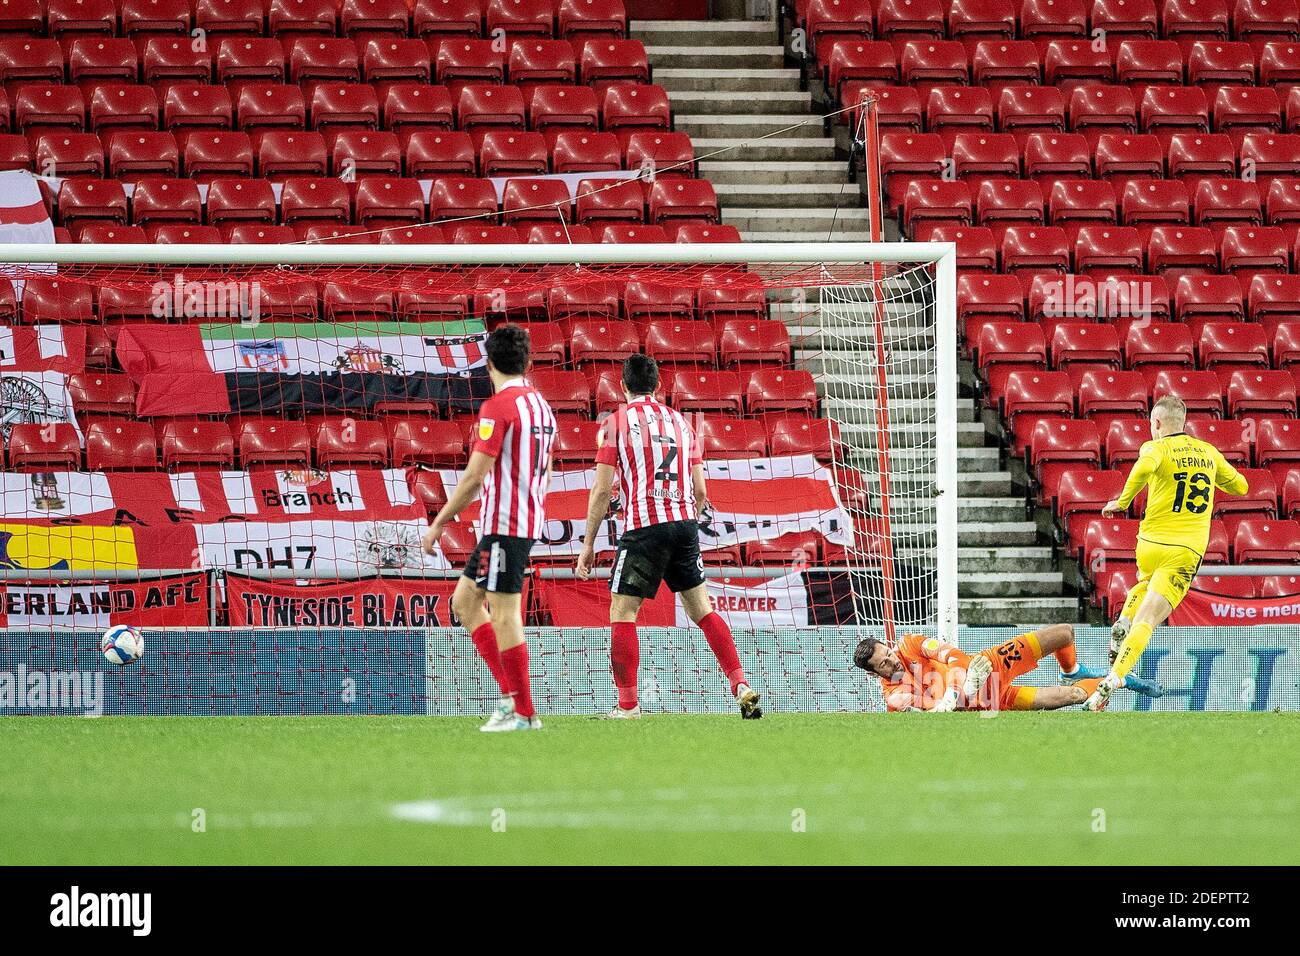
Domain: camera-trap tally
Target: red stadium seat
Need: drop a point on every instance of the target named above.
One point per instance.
(555, 108)
(1046, 19)
(69, 154)
(1105, 392)
(1231, 438)
(304, 198)
(196, 106)
(490, 107)
(1019, 344)
(1174, 251)
(168, 59)
(580, 151)
(270, 442)
(708, 392)
(388, 59)
(250, 59)
(458, 541)
(801, 435)
(1084, 343)
(49, 300)
(351, 443)
(950, 109)
(753, 341)
(218, 153)
(102, 393)
(601, 200)
(1108, 250)
(1081, 201)
(1031, 109)
(565, 391)
(970, 19)
(795, 548)
(535, 61)
(1081, 493)
(1071, 63)
(1052, 156)
(460, 62)
(447, 18)
(324, 58)
(1124, 440)
(1195, 19)
(681, 342)
(781, 390)
(629, 106)
(1147, 62)
(597, 300)
(1199, 390)
(1121, 157)
(436, 153)
(514, 153)
(1277, 446)
(282, 153)
(675, 201)
(120, 445)
(578, 19)
(50, 446)
(407, 106)
(575, 442)
(1166, 110)
(335, 105)
(608, 61)
(240, 200)
(1162, 343)
(626, 232)
(1214, 297)
(158, 200)
(535, 200)
(1195, 156)
(609, 340)
(928, 63)
(829, 20)
(386, 202)
(291, 17)
(1266, 541)
(1263, 392)
(421, 440)
(370, 18)
(731, 438)
(944, 202)
(1231, 343)
(91, 200)
(853, 59)
(520, 17)
(1109, 540)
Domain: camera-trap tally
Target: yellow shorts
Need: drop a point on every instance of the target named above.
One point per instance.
(1167, 569)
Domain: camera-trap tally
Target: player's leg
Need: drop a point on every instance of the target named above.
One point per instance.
(467, 601)
(717, 633)
(504, 583)
(624, 654)
(1172, 575)
(1124, 623)
(1058, 640)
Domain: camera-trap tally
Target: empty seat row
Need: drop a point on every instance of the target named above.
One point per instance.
(1064, 63)
(1214, 203)
(1049, 20)
(119, 444)
(565, 18)
(1090, 110)
(389, 201)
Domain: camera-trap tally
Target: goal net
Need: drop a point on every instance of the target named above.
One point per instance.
(237, 449)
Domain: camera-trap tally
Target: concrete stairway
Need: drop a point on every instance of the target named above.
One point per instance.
(728, 83)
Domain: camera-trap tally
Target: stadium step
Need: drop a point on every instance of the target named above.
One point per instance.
(863, 435)
(786, 195)
(1034, 560)
(695, 105)
(709, 32)
(849, 413)
(982, 534)
(749, 125)
(772, 149)
(1021, 611)
(858, 365)
(823, 222)
(727, 80)
(731, 56)
(726, 173)
(976, 483)
(1001, 584)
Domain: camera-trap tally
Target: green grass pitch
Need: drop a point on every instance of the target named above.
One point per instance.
(1067, 788)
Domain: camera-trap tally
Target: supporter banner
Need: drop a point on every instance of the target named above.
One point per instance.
(799, 599)
(39, 397)
(23, 216)
(165, 602)
(207, 497)
(42, 348)
(371, 602)
(753, 499)
(1200, 608)
(303, 368)
(330, 522)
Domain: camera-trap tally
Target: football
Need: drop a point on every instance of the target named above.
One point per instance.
(122, 644)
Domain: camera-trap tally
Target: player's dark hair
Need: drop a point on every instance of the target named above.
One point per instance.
(862, 653)
(640, 374)
(508, 348)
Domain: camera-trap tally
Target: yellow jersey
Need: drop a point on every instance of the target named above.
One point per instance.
(1181, 474)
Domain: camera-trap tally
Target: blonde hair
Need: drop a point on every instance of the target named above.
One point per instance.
(1172, 406)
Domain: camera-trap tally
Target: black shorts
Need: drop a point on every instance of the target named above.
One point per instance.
(498, 563)
(668, 552)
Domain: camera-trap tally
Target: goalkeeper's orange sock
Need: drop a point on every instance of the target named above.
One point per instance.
(1129, 652)
(624, 659)
(1068, 658)
(485, 642)
(718, 634)
(1088, 685)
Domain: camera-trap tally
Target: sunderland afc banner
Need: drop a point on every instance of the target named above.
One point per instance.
(369, 602)
(753, 499)
(164, 602)
(288, 369)
(1201, 608)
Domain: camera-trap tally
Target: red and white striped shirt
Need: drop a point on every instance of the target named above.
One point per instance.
(653, 449)
(517, 428)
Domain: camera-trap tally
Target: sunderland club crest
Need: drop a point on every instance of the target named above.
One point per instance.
(304, 477)
(364, 358)
(389, 545)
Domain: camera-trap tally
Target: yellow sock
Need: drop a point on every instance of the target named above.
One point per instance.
(1134, 600)
(1129, 652)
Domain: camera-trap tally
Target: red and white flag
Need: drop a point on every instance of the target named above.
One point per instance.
(23, 216)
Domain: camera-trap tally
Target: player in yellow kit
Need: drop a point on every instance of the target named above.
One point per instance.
(1181, 474)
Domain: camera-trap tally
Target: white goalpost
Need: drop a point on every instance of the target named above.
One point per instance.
(356, 328)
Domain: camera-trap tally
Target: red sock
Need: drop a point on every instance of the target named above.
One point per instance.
(514, 661)
(718, 634)
(624, 658)
(485, 640)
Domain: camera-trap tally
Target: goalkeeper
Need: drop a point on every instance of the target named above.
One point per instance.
(1181, 474)
(928, 674)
